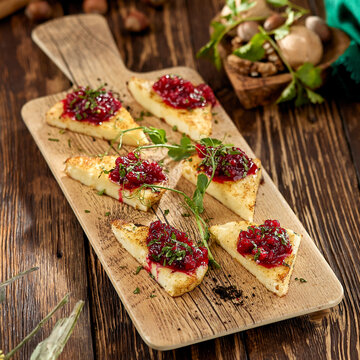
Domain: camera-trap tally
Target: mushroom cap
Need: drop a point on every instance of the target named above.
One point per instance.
(301, 45)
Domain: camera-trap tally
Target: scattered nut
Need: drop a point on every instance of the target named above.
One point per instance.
(301, 45)
(136, 21)
(273, 22)
(247, 30)
(236, 43)
(38, 10)
(248, 68)
(319, 27)
(95, 6)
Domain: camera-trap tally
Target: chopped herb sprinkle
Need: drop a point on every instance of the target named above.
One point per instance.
(136, 291)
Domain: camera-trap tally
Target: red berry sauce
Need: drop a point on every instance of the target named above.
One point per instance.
(172, 248)
(94, 106)
(131, 172)
(233, 163)
(182, 94)
(268, 243)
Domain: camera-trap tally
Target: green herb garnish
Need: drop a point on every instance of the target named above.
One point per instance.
(138, 269)
(101, 192)
(136, 291)
(87, 211)
(53, 139)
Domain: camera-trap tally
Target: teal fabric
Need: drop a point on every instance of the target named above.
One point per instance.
(345, 15)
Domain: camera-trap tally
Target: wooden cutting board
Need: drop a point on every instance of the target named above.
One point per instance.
(83, 48)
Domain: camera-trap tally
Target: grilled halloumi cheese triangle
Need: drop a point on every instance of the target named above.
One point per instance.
(133, 239)
(239, 196)
(90, 171)
(108, 130)
(274, 279)
(196, 123)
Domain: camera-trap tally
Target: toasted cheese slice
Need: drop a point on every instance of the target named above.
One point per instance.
(196, 123)
(275, 279)
(239, 196)
(107, 130)
(133, 239)
(89, 171)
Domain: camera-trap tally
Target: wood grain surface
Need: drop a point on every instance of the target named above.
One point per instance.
(163, 322)
(37, 225)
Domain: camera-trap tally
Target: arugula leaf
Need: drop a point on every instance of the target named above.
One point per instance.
(253, 50)
(157, 136)
(314, 97)
(288, 93)
(309, 75)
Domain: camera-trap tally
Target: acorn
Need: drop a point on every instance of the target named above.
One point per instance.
(273, 22)
(39, 10)
(319, 27)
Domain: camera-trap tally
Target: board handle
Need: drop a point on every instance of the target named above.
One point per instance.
(83, 47)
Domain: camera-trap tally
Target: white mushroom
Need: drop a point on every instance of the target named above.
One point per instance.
(301, 45)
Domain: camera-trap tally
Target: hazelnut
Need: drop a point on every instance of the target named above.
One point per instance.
(38, 10)
(136, 21)
(301, 45)
(247, 30)
(319, 27)
(273, 22)
(95, 6)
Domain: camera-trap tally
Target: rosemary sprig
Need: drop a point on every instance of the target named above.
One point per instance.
(64, 301)
(52, 347)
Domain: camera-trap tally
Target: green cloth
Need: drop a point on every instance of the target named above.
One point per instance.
(345, 15)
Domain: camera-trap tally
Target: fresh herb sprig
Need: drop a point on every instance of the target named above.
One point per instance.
(304, 80)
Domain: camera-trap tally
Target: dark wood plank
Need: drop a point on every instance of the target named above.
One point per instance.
(37, 226)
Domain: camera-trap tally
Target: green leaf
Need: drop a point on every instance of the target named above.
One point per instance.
(253, 50)
(210, 50)
(198, 197)
(281, 32)
(210, 142)
(288, 93)
(52, 347)
(182, 151)
(232, 6)
(157, 136)
(245, 5)
(277, 3)
(314, 97)
(301, 98)
(309, 75)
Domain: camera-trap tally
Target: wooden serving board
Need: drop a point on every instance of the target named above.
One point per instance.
(83, 48)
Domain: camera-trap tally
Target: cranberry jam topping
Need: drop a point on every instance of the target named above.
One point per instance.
(94, 106)
(173, 248)
(182, 94)
(131, 172)
(268, 243)
(232, 163)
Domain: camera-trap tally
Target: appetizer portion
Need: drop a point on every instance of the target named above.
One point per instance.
(267, 251)
(95, 113)
(236, 177)
(173, 259)
(120, 177)
(178, 102)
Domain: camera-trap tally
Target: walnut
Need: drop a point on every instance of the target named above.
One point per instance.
(248, 68)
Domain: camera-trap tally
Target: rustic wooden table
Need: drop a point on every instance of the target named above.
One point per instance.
(312, 154)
